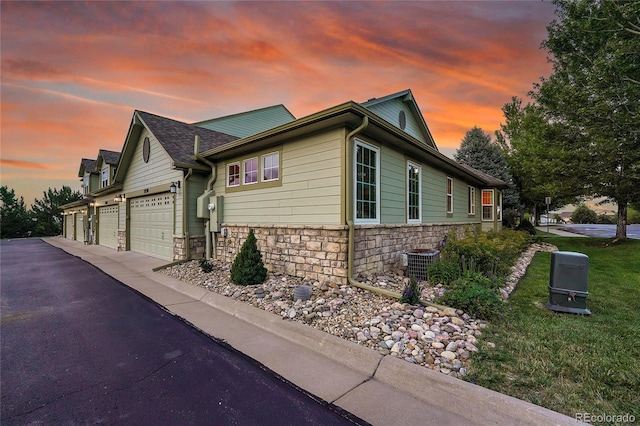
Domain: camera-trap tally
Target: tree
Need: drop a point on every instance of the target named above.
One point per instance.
(592, 95)
(247, 267)
(537, 165)
(47, 211)
(583, 214)
(14, 218)
(478, 151)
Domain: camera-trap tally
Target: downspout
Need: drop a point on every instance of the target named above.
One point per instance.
(349, 218)
(185, 212)
(212, 180)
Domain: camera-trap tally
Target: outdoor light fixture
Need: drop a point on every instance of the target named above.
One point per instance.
(119, 198)
(174, 187)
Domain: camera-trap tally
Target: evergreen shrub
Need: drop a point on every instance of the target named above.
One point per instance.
(247, 267)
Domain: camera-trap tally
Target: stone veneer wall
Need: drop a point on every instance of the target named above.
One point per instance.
(122, 240)
(314, 252)
(379, 247)
(197, 246)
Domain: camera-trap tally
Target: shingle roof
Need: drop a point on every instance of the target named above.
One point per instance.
(489, 180)
(109, 157)
(177, 138)
(86, 165)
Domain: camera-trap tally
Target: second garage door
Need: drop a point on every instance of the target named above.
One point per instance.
(68, 226)
(108, 226)
(151, 225)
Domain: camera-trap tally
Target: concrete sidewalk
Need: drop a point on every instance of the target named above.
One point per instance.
(379, 389)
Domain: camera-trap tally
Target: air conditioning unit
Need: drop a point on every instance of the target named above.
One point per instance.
(568, 283)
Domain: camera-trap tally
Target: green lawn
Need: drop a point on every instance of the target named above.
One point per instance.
(571, 363)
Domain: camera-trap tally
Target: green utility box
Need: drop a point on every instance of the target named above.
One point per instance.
(568, 283)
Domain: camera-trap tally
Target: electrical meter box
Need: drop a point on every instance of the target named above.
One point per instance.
(216, 213)
(568, 283)
(202, 205)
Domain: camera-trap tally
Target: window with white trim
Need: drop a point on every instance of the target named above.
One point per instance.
(250, 167)
(85, 185)
(233, 175)
(487, 204)
(367, 187)
(499, 206)
(471, 210)
(449, 195)
(105, 178)
(414, 193)
(271, 166)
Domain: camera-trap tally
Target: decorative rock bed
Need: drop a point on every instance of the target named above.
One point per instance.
(442, 340)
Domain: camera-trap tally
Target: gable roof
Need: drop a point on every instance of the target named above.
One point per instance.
(249, 122)
(86, 166)
(109, 157)
(422, 132)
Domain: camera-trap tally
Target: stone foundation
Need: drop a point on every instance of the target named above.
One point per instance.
(313, 252)
(378, 247)
(197, 245)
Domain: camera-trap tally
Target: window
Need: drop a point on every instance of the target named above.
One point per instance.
(105, 178)
(270, 167)
(487, 204)
(472, 201)
(250, 171)
(233, 174)
(85, 185)
(414, 193)
(449, 195)
(499, 206)
(367, 169)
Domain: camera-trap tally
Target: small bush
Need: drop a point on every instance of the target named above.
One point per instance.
(510, 218)
(206, 266)
(604, 219)
(474, 299)
(526, 226)
(411, 292)
(444, 272)
(247, 267)
(633, 216)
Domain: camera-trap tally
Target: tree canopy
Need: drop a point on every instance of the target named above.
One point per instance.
(14, 218)
(47, 210)
(592, 99)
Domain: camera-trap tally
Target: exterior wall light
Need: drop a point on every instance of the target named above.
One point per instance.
(174, 187)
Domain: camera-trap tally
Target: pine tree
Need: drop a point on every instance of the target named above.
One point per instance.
(247, 268)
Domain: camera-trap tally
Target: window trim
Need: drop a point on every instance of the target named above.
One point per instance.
(104, 182)
(499, 205)
(449, 186)
(411, 164)
(368, 221)
(471, 200)
(262, 166)
(228, 165)
(244, 170)
(488, 191)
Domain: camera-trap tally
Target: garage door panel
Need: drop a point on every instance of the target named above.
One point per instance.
(68, 229)
(151, 225)
(108, 226)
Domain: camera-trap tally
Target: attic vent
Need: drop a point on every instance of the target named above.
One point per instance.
(402, 120)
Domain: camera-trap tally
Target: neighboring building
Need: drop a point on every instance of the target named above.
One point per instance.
(343, 191)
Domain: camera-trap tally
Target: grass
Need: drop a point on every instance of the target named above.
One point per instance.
(571, 363)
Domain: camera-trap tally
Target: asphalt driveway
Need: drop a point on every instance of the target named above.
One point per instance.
(78, 347)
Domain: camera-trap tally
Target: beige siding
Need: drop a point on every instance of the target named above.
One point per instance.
(195, 187)
(310, 192)
(158, 171)
(434, 198)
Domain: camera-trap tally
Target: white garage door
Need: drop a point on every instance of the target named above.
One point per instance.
(151, 225)
(108, 226)
(68, 226)
(80, 218)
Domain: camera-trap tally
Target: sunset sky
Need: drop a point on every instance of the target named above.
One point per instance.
(73, 73)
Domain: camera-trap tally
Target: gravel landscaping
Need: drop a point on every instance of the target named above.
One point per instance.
(442, 340)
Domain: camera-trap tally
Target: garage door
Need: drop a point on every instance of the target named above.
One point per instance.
(151, 225)
(68, 226)
(80, 227)
(108, 226)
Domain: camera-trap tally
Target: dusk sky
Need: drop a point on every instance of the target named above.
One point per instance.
(73, 73)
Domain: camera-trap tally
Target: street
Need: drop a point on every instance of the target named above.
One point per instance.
(601, 231)
(79, 347)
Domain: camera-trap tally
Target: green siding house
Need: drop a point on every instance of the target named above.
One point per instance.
(344, 191)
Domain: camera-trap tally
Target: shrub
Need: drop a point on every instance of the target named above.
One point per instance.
(526, 226)
(583, 214)
(444, 272)
(474, 299)
(633, 216)
(247, 267)
(604, 219)
(411, 292)
(205, 265)
(510, 218)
